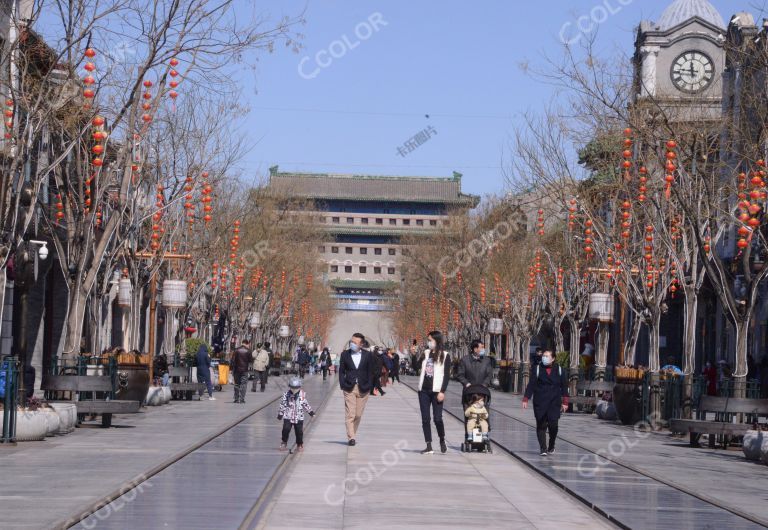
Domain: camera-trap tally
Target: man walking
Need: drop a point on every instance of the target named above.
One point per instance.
(241, 359)
(476, 368)
(204, 371)
(261, 367)
(356, 381)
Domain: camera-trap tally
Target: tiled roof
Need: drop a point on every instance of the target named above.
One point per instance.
(319, 186)
(682, 10)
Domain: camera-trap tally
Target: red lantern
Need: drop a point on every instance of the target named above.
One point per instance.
(90, 53)
(742, 243)
(90, 67)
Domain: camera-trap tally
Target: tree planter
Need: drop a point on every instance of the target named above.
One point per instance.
(627, 399)
(67, 416)
(154, 397)
(606, 410)
(31, 425)
(755, 445)
(52, 420)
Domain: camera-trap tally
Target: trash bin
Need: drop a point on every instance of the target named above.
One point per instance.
(223, 374)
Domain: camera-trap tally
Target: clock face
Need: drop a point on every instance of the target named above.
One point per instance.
(693, 72)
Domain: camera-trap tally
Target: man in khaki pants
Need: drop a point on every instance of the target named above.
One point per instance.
(356, 381)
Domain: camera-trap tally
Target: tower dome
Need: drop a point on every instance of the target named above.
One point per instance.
(682, 10)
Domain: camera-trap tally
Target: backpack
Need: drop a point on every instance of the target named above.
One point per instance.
(559, 370)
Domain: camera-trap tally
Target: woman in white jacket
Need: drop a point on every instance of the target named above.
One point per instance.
(435, 374)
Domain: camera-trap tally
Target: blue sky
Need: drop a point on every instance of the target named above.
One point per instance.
(458, 62)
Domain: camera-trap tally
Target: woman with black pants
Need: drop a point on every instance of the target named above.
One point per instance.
(435, 374)
(548, 386)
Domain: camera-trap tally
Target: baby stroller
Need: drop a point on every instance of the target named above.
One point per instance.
(474, 438)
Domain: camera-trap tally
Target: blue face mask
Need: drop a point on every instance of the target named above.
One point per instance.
(481, 353)
(354, 347)
(546, 361)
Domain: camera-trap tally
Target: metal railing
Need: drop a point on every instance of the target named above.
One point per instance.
(10, 370)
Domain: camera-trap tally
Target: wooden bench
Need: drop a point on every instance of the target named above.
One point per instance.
(184, 388)
(725, 409)
(91, 383)
(591, 389)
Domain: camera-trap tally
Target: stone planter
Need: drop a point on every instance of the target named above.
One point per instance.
(31, 425)
(154, 396)
(52, 420)
(606, 410)
(755, 444)
(67, 416)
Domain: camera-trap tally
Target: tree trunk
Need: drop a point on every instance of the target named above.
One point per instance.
(75, 319)
(525, 352)
(740, 373)
(601, 359)
(654, 362)
(689, 349)
(574, 354)
(559, 342)
(630, 346)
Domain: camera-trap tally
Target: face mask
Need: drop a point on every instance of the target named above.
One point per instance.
(354, 347)
(546, 361)
(481, 353)
(431, 344)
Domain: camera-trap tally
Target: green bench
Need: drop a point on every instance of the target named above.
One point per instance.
(93, 384)
(745, 412)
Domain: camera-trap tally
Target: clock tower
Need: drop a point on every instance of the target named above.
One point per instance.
(679, 61)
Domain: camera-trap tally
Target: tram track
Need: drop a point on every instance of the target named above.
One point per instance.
(517, 438)
(261, 421)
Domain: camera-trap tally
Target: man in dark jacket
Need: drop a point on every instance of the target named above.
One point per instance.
(476, 368)
(303, 359)
(356, 381)
(203, 361)
(241, 360)
(548, 386)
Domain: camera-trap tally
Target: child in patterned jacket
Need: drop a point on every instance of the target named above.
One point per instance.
(292, 408)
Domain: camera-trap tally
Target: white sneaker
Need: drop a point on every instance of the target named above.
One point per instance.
(211, 398)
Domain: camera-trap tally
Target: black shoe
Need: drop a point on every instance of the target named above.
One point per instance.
(443, 447)
(352, 442)
(428, 450)
(543, 453)
(382, 392)
(551, 450)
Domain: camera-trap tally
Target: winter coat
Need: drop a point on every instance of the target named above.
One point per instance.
(549, 391)
(203, 363)
(261, 360)
(241, 358)
(292, 406)
(475, 371)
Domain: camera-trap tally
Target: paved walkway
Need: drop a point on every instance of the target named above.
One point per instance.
(383, 482)
(49, 482)
(213, 487)
(725, 477)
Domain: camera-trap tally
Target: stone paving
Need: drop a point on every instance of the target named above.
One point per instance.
(48, 482)
(383, 481)
(723, 476)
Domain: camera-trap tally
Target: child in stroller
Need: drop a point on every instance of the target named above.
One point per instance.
(476, 400)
